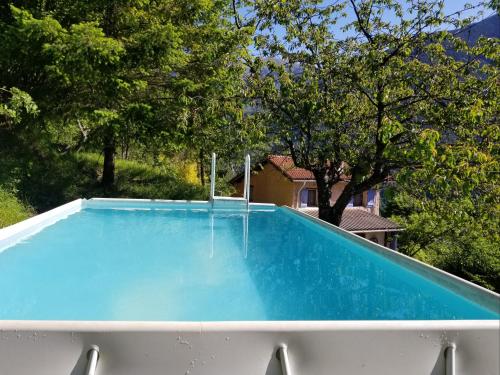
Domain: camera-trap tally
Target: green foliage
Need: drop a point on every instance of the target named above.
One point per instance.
(384, 99)
(459, 234)
(106, 75)
(450, 204)
(11, 209)
(76, 176)
(139, 180)
(14, 105)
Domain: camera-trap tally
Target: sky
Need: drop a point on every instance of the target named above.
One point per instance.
(450, 6)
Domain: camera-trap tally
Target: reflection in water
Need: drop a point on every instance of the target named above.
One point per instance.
(312, 273)
(210, 265)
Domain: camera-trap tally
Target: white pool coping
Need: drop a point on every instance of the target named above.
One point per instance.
(248, 326)
(13, 234)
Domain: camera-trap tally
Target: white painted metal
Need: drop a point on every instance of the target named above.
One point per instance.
(449, 354)
(285, 361)
(248, 348)
(212, 176)
(92, 359)
(247, 178)
(246, 193)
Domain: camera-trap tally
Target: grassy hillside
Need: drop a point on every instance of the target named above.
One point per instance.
(51, 180)
(11, 209)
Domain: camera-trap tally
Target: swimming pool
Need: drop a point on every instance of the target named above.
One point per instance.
(182, 288)
(187, 263)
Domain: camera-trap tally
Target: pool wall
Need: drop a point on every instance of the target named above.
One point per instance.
(247, 348)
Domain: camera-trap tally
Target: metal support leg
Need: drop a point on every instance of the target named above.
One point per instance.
(93, 358)
(449, 357)
(282, 355)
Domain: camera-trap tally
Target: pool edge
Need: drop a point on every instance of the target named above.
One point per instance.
(249, 326)
(12, 234)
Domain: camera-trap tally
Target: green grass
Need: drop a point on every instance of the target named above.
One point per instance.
(45, 179)
(138, 180)
(12, 210)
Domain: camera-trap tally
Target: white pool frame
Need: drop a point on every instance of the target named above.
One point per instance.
(249, 348)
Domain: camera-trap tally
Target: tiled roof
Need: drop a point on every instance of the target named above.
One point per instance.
(359, 220)
(286, 165)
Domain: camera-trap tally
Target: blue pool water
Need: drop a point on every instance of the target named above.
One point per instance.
(201, 265)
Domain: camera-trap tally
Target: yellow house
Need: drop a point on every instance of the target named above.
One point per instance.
(277, 180)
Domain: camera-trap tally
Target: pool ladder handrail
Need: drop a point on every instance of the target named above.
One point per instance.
(246, 182)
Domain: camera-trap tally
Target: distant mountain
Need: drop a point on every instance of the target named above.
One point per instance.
(489, 28)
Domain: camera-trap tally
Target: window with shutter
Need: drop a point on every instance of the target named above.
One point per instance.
(311, 198)
(303, 198)
(358, 200)
(371, 198)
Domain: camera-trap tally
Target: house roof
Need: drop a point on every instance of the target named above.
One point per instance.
(287, 167)
(359, 220)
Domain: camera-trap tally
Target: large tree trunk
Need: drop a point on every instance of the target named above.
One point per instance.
(324, 194)
(340, 205)
(326, 212)
(108, 170)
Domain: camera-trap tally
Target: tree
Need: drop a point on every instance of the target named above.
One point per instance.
(376, 102)
(113, 73)
(450, 207)
(14, 105)
(207, 96)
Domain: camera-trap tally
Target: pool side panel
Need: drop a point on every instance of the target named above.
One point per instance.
(476, 293)
(248, 348)
(14, 233)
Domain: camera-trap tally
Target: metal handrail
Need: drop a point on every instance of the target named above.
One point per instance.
(449, 357)
(92, 359)
(282, 355)
(212, 177)
(247, 179)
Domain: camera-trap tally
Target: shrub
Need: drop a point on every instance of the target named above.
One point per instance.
(11, 209)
